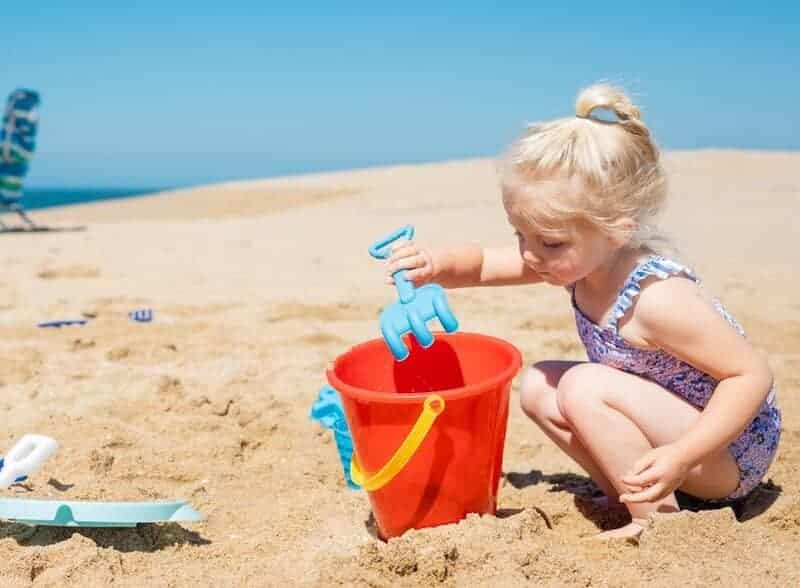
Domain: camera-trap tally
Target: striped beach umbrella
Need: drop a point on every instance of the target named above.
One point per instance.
(17, 142)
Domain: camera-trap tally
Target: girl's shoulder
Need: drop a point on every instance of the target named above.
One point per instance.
(674, 305)
(661, 268)
(656, 285)
(663, 296)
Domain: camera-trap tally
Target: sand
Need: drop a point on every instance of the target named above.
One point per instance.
(256, 287)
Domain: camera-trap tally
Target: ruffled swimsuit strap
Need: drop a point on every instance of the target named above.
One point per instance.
(655, 265)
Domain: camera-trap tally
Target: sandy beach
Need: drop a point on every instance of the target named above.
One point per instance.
(255, 288)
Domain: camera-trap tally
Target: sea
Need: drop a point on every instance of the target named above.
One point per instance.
(34, 198)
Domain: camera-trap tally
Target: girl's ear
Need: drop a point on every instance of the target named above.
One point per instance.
(623, 229)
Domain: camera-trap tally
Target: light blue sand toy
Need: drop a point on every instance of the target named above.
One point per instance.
(416, 305)
(79, 513)
(142, 315)
(30, 452)
(328, 410)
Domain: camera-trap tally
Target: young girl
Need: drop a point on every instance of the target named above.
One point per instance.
(673, 396)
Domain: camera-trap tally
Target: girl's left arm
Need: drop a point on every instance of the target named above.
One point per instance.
(676, 318)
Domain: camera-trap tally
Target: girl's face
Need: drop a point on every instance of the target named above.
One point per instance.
(562, 258)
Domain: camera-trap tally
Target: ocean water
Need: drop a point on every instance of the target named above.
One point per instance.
(34, 198)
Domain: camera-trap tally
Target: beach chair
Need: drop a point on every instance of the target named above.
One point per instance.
(17, 144)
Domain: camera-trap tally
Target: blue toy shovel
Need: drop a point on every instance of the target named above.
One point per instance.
(416, 305)
(79, 513)
(28, 455)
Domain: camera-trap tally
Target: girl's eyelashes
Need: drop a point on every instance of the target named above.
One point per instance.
(547, 244)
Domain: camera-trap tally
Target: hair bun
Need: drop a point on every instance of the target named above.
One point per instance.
(607, 97)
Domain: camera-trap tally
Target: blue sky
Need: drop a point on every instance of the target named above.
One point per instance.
(175, 93)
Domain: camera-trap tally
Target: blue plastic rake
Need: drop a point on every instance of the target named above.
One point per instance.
(416, 305)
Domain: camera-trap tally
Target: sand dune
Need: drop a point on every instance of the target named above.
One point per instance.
(256, 287)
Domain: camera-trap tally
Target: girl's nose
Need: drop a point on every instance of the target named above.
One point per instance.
(529, 257)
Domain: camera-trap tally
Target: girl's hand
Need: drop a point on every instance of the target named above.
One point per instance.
(416, 260)
(658, 473)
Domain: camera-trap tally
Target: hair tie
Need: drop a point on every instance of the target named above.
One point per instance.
(603, 114)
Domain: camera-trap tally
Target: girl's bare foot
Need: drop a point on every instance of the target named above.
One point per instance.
(630, 531)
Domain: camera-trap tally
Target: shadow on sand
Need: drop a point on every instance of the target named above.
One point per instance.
(584, 491)
(143, 538)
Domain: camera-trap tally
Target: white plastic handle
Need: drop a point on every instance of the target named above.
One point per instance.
(25, 457)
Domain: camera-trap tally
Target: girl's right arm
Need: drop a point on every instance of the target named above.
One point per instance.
(462, 266)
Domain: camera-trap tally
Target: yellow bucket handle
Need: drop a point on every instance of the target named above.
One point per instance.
(431, 409)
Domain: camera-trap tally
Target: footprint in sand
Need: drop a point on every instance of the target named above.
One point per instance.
(81, 344)
(558, 322)
(321, 339)
(20, 368)
(317, 312)
(118, 353)
(69, 272)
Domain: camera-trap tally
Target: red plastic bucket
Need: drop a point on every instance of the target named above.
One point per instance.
(455, 467)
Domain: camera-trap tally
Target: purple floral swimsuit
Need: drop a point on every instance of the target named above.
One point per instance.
(755, 448)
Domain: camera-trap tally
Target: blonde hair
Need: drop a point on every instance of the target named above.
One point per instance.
(589, 168)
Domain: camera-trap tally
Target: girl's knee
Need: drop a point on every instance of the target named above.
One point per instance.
(537, 393)
(578, 387)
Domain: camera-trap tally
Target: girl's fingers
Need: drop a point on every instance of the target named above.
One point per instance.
(404, 254)
(395, 264)
(649, 495)
(402, 250)
(642, 463)
(407, 263)
(428, 258)
(407, 256)
(633, 488)
(418, 275)
(398, 244)
(645, 478)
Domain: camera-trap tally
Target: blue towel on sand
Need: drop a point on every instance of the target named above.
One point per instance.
(329, 412)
